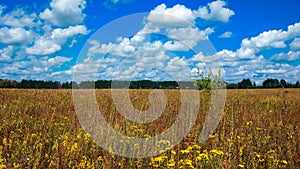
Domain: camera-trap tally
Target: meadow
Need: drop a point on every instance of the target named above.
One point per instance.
(259, 128)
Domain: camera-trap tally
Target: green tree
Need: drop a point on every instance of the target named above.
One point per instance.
(297, 84)
(245, 84)
(271, 83)
(283, 83)
(210, 81)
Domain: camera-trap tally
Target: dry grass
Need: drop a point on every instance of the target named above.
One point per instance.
(258, 129)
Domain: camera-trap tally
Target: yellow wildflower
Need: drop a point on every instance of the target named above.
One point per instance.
(213, 136)
(241, 165)
(2, 165)
(74, 147)
(217, 152)
(284, 162)
(100, 158)
(87, 137)
(4, 141)
(55, 146)
(185, 151)
(249, 122)
(186, 162)
(257, 155)
(196, 146)
(16, 165)
(171, 163)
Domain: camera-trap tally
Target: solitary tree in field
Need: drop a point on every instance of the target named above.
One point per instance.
(210, 81)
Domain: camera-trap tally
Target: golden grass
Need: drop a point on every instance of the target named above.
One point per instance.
(258, 129)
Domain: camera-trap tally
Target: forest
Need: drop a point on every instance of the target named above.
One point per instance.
(140, 84)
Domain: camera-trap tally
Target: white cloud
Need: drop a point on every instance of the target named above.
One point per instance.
(13, 35)
(68, 32)
(124, 48)
(24, 34)
(34, 68)
(46, 45)
(246, 53)
(226, 35)
(294, 30)
(272, 38)
(73, 43)
(189, 36)
(176, 63)
(199, 57)
(178, 15)
(97, 49)
(175, 46)
(290, 56)
(43, 46)
(271, 71)
(269, 39)
(178, 69)
(57, 61)
(6, 54)
(140, 58)
(140, 35)
(19, 18)
(295, 45)
(214, 11)
(65, 12)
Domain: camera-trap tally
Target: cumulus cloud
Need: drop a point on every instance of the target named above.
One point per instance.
(247, 61)
(46, 45)
(226, 35)
(140, 56)
(33, 68)
(214, 11)
(189, 36)
(178, 15)
(43, 46)
(13, 35)
(271, 38)
(24, 34)
(19, 18)
(6, 53)
(96, 48)
(290, 56)
(57, 61)
(68, 32)
(143, 55)
(295, 45)
(175, 46)
(65, 12)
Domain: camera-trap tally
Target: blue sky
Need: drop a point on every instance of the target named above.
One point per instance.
(156, 40)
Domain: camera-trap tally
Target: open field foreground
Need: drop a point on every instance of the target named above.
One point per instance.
(258, 129)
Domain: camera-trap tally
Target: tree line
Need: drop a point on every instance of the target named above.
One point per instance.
(268, 83)
(140, 84)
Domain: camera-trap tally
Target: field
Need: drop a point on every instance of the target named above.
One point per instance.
(258, 129)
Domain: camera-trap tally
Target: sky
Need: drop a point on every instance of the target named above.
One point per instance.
(78, 40)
